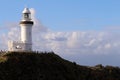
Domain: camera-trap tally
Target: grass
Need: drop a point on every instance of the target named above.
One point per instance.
(49, 66)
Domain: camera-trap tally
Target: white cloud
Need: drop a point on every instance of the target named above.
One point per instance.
(108, 45)
(84, 47)
(38, 27)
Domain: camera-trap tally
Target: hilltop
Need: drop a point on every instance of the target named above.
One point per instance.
(49, 66)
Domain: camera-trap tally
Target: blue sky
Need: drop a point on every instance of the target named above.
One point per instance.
(84, 31)
(66, 15)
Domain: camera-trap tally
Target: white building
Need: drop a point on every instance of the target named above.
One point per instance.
(25, 44)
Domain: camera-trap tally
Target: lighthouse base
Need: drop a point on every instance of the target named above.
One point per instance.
(19, 46)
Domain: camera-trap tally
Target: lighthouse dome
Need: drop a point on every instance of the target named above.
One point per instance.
(26, 10)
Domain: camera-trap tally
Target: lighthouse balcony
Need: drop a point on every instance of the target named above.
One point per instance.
(26, 22)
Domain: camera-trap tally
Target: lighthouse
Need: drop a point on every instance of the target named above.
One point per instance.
(25, 43)
(26, 29)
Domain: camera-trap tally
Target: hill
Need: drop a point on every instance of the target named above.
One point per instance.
(49, 66)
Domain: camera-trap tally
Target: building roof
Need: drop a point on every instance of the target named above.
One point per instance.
(26, 10)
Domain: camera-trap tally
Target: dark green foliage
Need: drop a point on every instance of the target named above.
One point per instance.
(49, 66)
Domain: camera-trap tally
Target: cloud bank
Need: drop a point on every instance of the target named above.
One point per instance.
(83, 47)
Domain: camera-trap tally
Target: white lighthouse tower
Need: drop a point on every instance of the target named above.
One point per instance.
(26, 29)
(25, 44)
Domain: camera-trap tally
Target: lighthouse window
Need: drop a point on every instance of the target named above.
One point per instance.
(18, 47)
(26, 15)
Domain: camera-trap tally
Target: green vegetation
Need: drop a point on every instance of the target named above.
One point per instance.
(49, 66)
